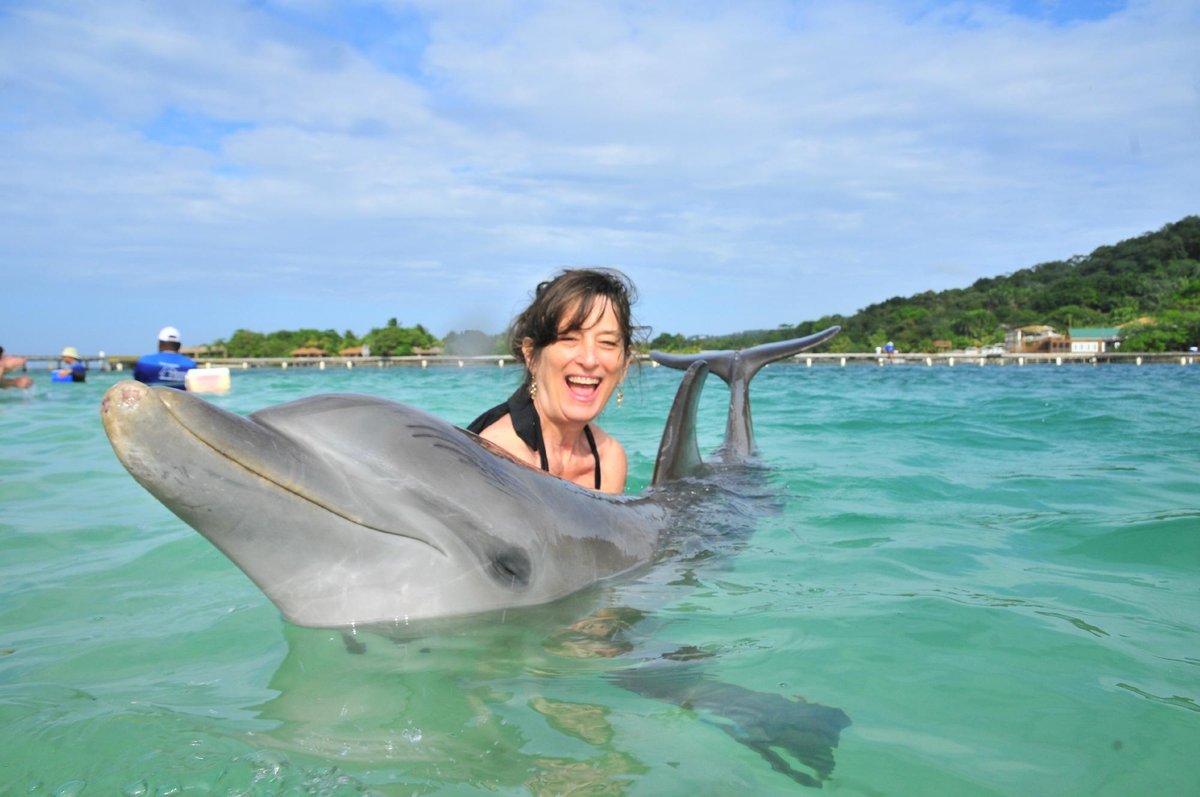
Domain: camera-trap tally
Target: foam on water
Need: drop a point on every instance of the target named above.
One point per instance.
(992, 572)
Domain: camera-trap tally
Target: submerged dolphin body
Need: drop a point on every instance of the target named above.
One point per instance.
(769, 724)
(349, 510)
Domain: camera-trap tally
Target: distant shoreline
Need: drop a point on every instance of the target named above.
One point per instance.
(943, 359)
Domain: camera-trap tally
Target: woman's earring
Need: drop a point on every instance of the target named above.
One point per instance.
(620, 397)
(532, 387)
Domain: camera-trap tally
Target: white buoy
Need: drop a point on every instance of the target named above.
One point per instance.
(499, 363)
(424, 363)
(1138, 360)
(843, 362)
(349, 364)
(321, 365)
(1058, 360)
(207, 380)
(950, 362)
(808, 362)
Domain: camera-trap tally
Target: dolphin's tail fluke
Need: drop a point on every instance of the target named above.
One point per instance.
(736, 368)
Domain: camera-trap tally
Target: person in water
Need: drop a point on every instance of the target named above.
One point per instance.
(73, 369)
(576, 341)
(9, 364)
(166, 367)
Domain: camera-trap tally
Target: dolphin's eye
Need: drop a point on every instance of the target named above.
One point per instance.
(511, 567)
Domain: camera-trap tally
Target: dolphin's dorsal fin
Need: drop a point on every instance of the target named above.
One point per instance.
(737, 368)
(679, 453)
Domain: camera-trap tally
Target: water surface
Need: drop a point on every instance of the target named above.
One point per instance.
(994, 572)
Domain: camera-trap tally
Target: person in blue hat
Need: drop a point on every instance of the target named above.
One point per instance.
(166, 367)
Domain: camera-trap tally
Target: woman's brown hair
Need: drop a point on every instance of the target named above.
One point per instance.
(573, 291)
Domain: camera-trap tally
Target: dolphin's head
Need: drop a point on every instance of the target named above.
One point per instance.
(348, 509)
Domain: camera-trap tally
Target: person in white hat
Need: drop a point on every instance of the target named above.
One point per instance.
(73, 369)
(166, 367)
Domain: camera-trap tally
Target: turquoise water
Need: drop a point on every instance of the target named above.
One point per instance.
(994, 572)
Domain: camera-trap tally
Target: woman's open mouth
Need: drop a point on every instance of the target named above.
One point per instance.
(583, 388)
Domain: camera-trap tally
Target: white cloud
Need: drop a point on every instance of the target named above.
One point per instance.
(750, 164)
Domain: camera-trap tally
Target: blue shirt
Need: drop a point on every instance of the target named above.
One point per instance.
(165, 368)
(75, 372)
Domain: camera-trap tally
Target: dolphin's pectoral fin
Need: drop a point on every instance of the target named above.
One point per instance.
(679, 453)
(767, 723)
(689, 653)
(353, 644)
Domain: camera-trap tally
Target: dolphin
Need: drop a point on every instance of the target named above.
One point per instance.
(349, 510)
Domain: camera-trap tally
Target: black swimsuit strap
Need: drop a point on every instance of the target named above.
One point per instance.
(528, 426)
(587, 430)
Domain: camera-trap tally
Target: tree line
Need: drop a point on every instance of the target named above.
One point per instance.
(390, 340)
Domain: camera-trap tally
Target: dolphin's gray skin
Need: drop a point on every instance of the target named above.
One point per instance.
(349, 510)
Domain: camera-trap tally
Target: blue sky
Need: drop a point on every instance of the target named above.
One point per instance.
(275, 165)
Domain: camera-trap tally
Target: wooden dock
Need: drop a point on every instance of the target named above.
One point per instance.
(969, 359)
(947, 360)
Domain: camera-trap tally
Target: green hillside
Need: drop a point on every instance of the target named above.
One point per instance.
(1149, 286)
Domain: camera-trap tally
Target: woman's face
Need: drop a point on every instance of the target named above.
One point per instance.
(577, 373)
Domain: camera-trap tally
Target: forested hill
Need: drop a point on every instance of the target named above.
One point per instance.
(1149, 286)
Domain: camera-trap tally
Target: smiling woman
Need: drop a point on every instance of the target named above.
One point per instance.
(576, 340)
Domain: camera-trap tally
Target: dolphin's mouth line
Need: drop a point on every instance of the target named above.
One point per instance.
(332, 510)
